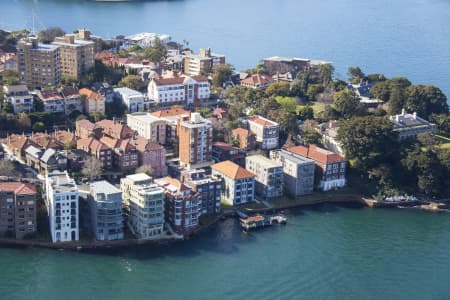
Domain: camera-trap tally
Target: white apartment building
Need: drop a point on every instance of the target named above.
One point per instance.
(132, 99)
(62, 206)
(269, 175)
(144, 201)
(19, 97)
(266, 131)
(183, 90)
(238, 183)
(148, 126)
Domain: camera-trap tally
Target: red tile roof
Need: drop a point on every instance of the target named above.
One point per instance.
(232, 170)
(142, 144)
(70, 92)
(224, 146)
(257, 79)
(91, 95)
(50, 95)
(169, 81)
(242, 132)
(180, 186)
(316, 153)
(200, 78)
(261, 121)
(170, 112)
(115, 129)
(19, 188)
(85, 124)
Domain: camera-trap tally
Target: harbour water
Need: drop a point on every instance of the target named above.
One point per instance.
(402, 37)
(325, 252)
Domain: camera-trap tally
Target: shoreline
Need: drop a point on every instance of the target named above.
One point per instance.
(102, 246)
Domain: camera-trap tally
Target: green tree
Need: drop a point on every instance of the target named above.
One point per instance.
(23, 121)
(326, 73)
(7, 168)
(278, 89)
(48, 35)
(426, 100)
(313, 90)
(299, 86)
(443, 123)
(96, 116)
(38, 126)
(288, 104)
(367, 140)
(38, 105)
(346, 102)
(374, 78)
(10, 77)
(355, 74)
(306, 113)
(155, 53)
(133, 82)
(221, 73)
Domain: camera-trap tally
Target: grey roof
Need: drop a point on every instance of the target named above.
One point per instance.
(32, 150)
(104, 186)
(48, 154)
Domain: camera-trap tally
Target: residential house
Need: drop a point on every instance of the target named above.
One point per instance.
(16, 144)
(238, 183)
(269, 176)
(72, 100)
(330, 167)
(150, 154)
(105, 90)
(245, 138)
(144, 202)
(53, 101)
(18, 209)
(298, 172)
(222, 151)
(19, 97)
(208, 187)
(132, 99)
(45, 141)
(266, 132)
(61, 199)
(180, 90)
(105, 205)
(148, 126)
(257, 81)
(182, 208)
(85, 129)
(410, 125)
(329, 133)
(93, 102)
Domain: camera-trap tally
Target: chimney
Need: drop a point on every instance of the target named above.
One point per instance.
(415, 115)
(403, 111)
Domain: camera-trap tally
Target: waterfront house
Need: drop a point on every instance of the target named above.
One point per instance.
(182, 207)
(105, 204)
(61, 199)
(410, 125)
(298, 172)
(268, 176)
(208, 187)
(238, 183)
(144, 203)
(18, 209)
(330, 167)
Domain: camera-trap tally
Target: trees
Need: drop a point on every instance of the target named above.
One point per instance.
(278, 89)
(23, 121)
(367, 140)
(326, 73)
(133, 82)
(38, 126)
(309, 134)
(355, 74)
(48, 35)
(287, 103)
(10, 77)
(299, 86)
(313, 90)
(346, 102)
(426, 100)
(156, 52)
(392, 91)
(145, 169)
(221, 73)
(92, 168)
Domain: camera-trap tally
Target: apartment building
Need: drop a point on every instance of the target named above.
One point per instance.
(144, 202)
(182, 207)
(97, 149)
(53, 101)
(39, 64)
(203, 63)
(238, 183)
(150, 154)
(148, 126)
(76, 56)
(72, 99)
(133, 100)
(330, 167)
(94, 102)
(245, 138)
(17, 209)
(62, 206)
(105, 205)
(195, 141)
(266, 132)
(181, 90)
(298, 172)
(208, 187)
(19, 97)
(125, 155)
(269, 176)
(171, 117)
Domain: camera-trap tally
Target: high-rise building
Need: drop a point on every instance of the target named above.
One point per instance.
(144, 203)
(203, 63)
(195, 141)
(39, 64)
(105, 203)
(62, 206)
(18, 209)
(77, 56)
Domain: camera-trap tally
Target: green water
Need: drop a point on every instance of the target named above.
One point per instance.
(328, 252)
